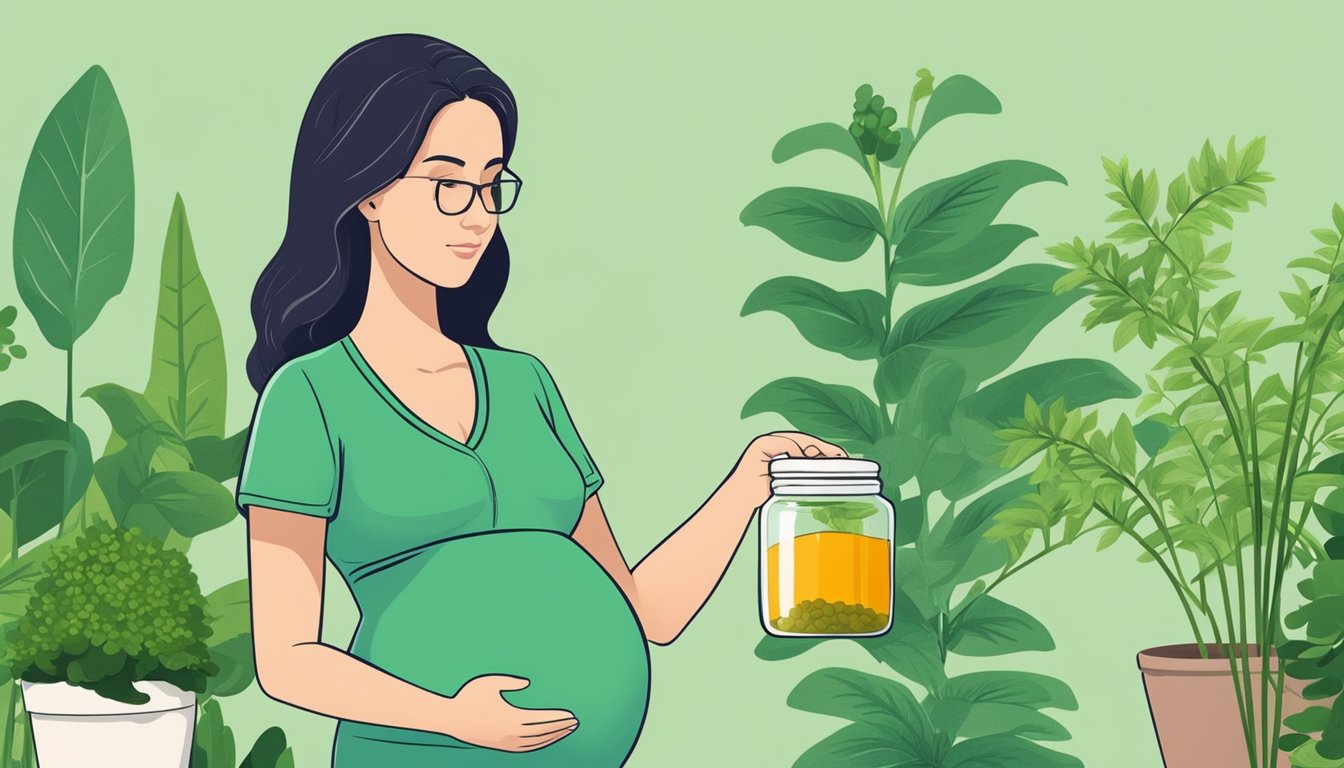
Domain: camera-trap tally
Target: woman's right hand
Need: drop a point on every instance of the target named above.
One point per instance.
(479, 715)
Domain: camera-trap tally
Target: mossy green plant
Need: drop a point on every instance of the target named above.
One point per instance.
(112, 608)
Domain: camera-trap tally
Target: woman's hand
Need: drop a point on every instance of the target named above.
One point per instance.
(751, 474)
(479, 715)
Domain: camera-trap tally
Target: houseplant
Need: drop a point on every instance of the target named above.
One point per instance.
(931, 364)
(1236, 447)
(1318, 741)
(113, 636)
(168, 453)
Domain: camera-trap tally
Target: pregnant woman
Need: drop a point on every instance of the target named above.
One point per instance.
(440, 472)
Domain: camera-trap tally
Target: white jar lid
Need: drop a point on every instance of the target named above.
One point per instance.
(823, 467)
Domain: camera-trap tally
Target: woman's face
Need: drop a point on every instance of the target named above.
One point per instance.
(464, 142)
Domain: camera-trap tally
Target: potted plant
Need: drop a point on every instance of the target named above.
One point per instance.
(1216, 485)
(937, 364)
(111, 653)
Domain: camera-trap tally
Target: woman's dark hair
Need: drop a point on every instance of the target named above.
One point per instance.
(363, 126)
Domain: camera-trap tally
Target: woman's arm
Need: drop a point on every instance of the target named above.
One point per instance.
(287, 568)
(669, 586)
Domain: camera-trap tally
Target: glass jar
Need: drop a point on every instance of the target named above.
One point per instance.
(826, 549)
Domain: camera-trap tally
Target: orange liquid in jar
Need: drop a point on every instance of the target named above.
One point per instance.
(833, 566)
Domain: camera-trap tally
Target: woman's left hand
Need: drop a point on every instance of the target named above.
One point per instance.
(751, 474)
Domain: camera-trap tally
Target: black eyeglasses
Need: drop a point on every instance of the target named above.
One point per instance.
(454, 196)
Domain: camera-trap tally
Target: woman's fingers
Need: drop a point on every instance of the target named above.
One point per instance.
(527, 745)
(807, 445)
(546, 729)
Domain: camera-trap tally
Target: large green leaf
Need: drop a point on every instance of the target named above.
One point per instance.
(131, 413)
(829, 136)
(984, 327)
(861, 745)
(1078, 381)
(848, 322)
(867, 698)
(1003, 751)
(950, 213)
(957, 95)
(190, 502)
(187, 373)
(935, 266)
(986, 703)
(74, 223)
(829, 411)
(33, 443)
(991, 627)
(820, 223)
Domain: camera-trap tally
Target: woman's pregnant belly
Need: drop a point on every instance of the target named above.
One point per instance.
(527, 603)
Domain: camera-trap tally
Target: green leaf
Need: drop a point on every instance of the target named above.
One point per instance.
(1309, 720)
(36, 481)
(229, 609)
(848, 322)
(237, 667)
(987, 703)
(819, 136)
(213, 738)
(991, 627)
(73, 230)
(187, 375)
(950, 213)
(1006, 752)
(774, 648)
(190, 502)
(987, 249)
(927, 410)
(828, 411)
(865, 698)
(1078, 381)
(131, 413)
(1026, 689)
(267, 750)
(218, 459)
(820, 223)
(957, 95)
(860, 745)
(984, 327)
(956, 548)
(1152, 435)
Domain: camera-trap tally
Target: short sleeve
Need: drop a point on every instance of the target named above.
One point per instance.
(290, 461)
(563, 427)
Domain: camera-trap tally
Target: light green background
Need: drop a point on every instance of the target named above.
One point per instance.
(643, 133)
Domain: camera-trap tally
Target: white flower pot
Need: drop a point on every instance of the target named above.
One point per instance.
(74, 727)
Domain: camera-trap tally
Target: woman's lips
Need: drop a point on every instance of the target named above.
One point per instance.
(464, 251)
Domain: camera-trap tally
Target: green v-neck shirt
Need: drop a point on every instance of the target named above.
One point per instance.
(458, 554)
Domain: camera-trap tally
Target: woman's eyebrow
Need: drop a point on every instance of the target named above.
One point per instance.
(451, 159)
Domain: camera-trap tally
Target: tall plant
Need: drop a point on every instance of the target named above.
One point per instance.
(168, 452)
(1236, 448)
(931, 365)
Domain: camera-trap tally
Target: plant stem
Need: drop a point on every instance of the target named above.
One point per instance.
(10, 718)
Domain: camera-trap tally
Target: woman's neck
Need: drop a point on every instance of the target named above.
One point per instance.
(400, 316)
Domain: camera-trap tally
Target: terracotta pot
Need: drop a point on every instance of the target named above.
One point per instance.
(74, 727)
(1194, 705)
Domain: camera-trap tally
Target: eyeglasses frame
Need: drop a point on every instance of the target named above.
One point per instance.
(477, 190)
